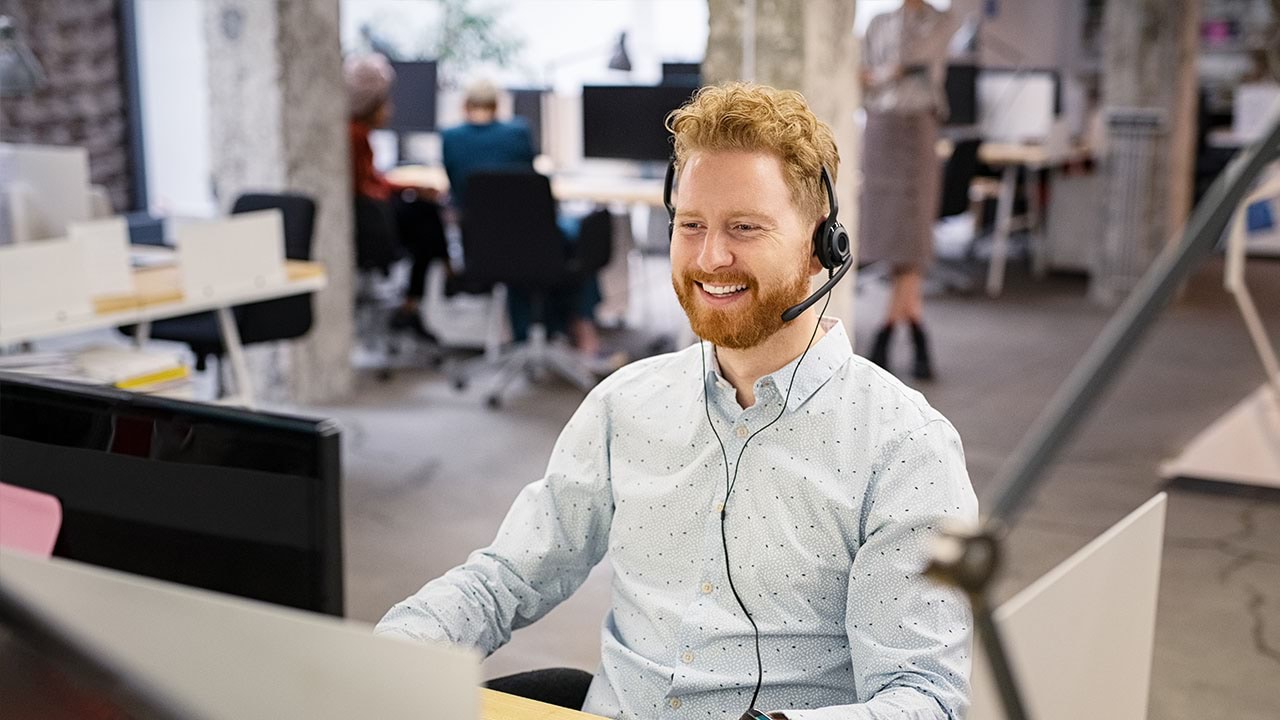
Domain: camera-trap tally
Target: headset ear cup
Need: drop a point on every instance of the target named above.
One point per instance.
(840, 246)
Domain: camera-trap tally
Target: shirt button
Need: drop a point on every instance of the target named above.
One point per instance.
(707, 588)
(675, 703)
(686, 658)
(742, 431)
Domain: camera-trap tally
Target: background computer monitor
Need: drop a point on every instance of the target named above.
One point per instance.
(962, 94)
(413, 95)
(526, 104)
(241, 502)
(1018, 105)
(43, 188)
(627, 122)
(685, 74)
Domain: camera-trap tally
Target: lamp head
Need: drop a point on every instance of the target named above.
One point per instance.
(620, 59)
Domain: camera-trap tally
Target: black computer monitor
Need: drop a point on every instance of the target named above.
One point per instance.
(685, 74)
(627, 122)
(526, 104)
(962, 94)
(413, 96)
(232, 500)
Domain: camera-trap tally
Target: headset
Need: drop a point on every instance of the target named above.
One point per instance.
(831, 247)
(830, 241)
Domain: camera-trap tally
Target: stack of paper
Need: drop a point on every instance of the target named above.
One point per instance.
(129, 368)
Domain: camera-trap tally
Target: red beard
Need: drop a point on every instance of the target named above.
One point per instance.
(745, 324)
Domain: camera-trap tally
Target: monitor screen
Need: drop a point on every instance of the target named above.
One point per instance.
(526, 104)
(413, 96)
(1018, 105)
(686, 74)
(962, 94)
(232, 500)
(627, 122)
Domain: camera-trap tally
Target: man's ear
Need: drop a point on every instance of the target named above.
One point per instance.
(815, 265)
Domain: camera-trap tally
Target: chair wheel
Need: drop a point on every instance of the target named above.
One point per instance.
(494, 402)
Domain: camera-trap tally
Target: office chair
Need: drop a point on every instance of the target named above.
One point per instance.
(511, 239)
(259, 322)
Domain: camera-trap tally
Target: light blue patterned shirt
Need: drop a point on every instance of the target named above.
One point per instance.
(827, 528)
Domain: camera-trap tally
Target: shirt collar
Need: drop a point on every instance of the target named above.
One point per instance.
(827, 355)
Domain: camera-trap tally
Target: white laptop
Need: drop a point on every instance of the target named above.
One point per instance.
(1080, 639)
(209, 655)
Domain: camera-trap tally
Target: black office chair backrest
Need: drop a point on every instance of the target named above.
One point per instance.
(594, 248)
(287, 317)
(957, 175)
(509, 231)
(299, 213)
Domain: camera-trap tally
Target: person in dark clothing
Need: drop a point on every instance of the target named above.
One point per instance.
(482, 142)
(416, 210)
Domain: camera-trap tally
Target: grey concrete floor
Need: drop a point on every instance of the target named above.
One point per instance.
(429, 475)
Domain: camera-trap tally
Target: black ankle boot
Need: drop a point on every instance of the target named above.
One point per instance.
(880, 347)
(922, 368)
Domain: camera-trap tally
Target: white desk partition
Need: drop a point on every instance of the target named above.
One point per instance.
(104, 250)
(1080, 639)
(221, 657)
(47, 187)
(41, 285)
(226, 257)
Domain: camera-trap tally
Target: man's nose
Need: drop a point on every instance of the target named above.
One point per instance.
(715, 252)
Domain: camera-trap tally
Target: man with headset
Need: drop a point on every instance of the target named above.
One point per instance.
(765, 497)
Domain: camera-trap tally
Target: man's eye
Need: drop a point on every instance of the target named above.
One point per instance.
(746, 227)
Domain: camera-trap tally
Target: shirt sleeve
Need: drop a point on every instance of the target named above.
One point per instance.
(556, 531)
(910, 638)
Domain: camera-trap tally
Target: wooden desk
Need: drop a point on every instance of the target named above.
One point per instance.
(1010, 157)
(501, 706)
(593, 188)
(158, 295)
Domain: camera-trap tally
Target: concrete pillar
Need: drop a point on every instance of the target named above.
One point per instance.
(1150, 51)
(278, 123)
(807, 46)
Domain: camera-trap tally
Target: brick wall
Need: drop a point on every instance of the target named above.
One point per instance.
(83, 103)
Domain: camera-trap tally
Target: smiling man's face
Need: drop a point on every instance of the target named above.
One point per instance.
(741, 251)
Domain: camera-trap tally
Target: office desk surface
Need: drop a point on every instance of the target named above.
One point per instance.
(501, 706)
(1034, 156)
(158, 294)
(593, 188)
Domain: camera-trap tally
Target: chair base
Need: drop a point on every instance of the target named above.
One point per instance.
(534, 359)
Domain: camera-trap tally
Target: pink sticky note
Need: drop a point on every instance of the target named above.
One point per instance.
(29, 520)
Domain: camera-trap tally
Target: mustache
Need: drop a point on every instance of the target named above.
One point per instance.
(696, 276)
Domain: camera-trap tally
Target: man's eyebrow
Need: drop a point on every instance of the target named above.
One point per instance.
(743, 213)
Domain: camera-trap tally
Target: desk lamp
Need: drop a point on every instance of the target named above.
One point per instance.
(969, 558)
(20, 73)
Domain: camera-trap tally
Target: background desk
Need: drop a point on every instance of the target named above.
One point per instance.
(158, 295)
(501, 706)
(1009, 157)
(601, 189)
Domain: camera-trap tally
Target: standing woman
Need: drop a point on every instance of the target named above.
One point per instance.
(904, 68)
